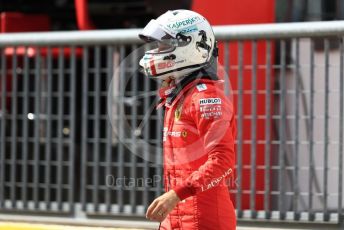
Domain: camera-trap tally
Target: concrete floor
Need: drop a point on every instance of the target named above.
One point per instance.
(21, 222)
(29, 226)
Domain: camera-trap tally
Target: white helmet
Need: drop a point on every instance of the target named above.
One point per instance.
(186, 43)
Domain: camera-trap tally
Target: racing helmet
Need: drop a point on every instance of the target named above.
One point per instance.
(185, 42)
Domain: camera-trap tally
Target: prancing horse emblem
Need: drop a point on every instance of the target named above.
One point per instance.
(203, 42)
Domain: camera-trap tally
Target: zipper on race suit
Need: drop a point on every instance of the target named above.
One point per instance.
(168, 181)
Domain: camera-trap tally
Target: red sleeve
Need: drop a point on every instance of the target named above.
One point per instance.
(213, 115)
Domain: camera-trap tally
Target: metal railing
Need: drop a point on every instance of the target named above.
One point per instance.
(59, 153)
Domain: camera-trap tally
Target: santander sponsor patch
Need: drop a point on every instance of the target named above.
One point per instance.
(164, 65)
(210, 101)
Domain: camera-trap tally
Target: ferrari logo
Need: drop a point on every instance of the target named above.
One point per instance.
(184, 133)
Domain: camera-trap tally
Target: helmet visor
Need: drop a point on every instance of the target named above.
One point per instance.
(158, 47)
(153, 32)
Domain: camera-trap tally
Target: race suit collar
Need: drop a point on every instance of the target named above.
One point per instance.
(171, 93)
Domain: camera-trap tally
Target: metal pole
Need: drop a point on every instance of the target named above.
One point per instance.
(84, 134)
(25, 148)
(130, 36)
(240, 127)
(72, 127)
(296, 131)
(14, 108)
(96, 124)
(326, 135)
(159, 153)
(282, 129)
(134, 66)
(3, 126)
(48, 142)
(60, 144)
(120, 105)
(341, 127)
(108, 195)
(267, 130)
(311, 132)
(36, 128)
(253, 130)
(14, 103)
(146, 138)
(226, 61)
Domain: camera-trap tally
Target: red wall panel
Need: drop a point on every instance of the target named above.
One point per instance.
(19, 22)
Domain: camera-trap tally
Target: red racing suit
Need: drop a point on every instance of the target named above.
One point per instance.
(199, 157)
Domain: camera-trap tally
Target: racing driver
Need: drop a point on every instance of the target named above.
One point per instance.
(199, 126)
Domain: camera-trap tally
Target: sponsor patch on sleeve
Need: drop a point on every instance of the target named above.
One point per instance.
(201, 87)
(211, 111)
(210, 101)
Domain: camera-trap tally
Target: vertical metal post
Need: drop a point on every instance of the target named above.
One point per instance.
(36, 129)
(134, 84)
(240, 127)
(25, 134)
(72, 127)
(96, 128)
(311, 139)
(226, 68)
(3, 127)
(282, 136)
(340, 10)
(14, 103)
(296, 131)
(268, 96)
(14, 108)
(120, 105)
(341, 127)
(314, 10)
(326, 136)
(60, 127)
(253, 130)
(84, 133)
(146, 136)
(108, 194)
(48, 135)
(159, 151)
